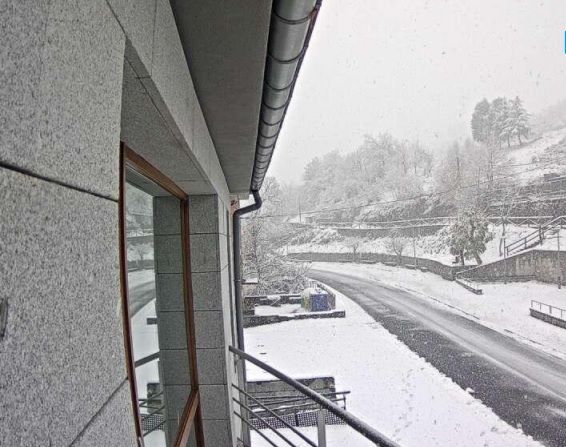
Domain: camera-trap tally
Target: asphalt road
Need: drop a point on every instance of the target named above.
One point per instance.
(139, 295)
(522, 385)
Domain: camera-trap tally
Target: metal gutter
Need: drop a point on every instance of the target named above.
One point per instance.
(292, 23)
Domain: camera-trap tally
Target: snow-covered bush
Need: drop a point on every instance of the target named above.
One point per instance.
(468, 236)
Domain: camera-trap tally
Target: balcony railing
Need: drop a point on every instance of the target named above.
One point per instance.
(152, 416)
(276, 429)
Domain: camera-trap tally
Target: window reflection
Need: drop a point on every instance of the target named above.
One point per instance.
(156, 308)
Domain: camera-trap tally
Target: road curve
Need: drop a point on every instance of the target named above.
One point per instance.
(523, 386)
(139, 295)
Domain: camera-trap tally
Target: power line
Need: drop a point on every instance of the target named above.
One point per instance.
(407, 199)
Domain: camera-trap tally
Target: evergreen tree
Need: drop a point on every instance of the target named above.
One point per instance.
(519, 120)
(480, 121)
(498, 113)
(500, 120)
(505, 124)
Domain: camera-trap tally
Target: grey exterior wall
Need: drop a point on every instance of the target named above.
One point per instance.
(171, 316)
(62, 358)
(211, 273)
(76, 78)
(62, 367)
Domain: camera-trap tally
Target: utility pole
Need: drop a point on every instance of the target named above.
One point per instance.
(414, 248)
(504, 254)
(558, 258)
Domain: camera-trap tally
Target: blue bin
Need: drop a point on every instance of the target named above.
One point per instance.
(319, 302)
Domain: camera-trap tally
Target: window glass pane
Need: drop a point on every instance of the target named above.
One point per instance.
(156, 307)
(192, 442)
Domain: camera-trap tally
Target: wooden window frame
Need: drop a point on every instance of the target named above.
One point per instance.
(192, 415)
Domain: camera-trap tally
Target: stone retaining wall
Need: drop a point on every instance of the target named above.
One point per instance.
(548, 318)
(384, 232)
(540, 265)
(260, 320)
(446, 271)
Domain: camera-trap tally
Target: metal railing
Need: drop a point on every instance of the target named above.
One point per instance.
(535, 238)
(428, 222)
(324, 404)
(154, 416)
(147, 359)
(547, 309)
(388, 224)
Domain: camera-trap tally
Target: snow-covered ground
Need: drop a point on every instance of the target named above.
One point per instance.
(145, 342)
(431, 247)
(284, 309)
(137, 277)
(544, 155)
(392, 388)
(287, 309)
(503, 307)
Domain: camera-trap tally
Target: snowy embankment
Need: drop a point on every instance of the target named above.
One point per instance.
(502, 307)
(138, 277)
(544, 155)
(431, 247)
(392, 388)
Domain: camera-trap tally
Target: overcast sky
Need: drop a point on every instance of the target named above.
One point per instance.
(417, 69)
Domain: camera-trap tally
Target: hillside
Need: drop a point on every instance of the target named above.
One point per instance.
(542, 156)
(328, 240)
(531, 164)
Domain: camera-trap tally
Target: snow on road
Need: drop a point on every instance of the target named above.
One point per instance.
(503, 307)
(393, 389)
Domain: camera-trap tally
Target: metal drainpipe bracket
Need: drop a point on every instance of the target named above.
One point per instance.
(3, 316)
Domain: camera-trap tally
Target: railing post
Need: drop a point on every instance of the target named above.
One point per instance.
(321, 425)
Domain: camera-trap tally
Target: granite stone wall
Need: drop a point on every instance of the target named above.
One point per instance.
(211, 274)
(62, 363)
(77, 77)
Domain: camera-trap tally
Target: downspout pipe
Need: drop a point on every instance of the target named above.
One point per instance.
(237, 232)
(236, 224)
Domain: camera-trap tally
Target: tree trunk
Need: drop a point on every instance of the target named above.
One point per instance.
(508, 142)
(462, 257)
(478, 259)
(519, 137)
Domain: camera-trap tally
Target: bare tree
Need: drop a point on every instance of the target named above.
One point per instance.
(354, 244)
(140, 251)
(260, 254)
(396, 244)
